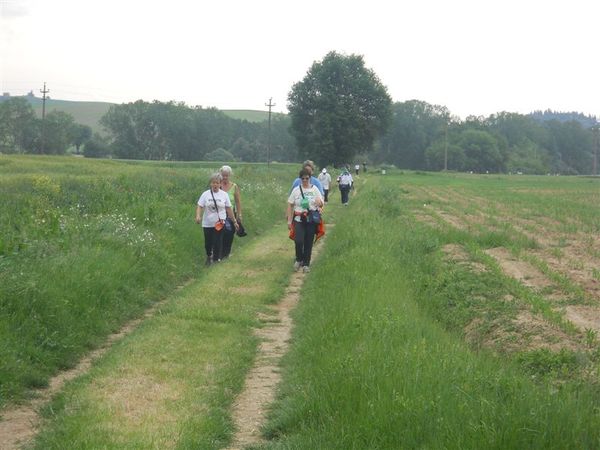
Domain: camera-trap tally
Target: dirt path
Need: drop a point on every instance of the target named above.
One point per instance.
(252, 404)
(19, 424)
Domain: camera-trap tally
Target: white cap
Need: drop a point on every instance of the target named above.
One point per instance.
(324, 170)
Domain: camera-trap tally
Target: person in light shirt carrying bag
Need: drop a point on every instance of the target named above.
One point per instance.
(303, 216)
(345, 182)
(212, 209)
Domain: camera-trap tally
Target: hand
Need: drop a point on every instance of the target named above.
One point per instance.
(198, 220)
(236, 225)
(289, 226)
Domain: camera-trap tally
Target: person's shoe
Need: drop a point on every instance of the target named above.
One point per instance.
(297, 266)
(306, 269)
(208, 261)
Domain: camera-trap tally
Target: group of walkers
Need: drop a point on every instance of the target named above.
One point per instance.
(219, 210)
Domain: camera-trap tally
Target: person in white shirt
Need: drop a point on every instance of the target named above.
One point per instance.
(325, 180)
(212, 209)
(303, 202)
(345, 182)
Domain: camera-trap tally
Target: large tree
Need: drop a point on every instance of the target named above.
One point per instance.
(338, 109)
(19, 128)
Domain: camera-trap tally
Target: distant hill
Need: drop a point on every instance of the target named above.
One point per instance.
(89, 113)
(86, 113)
(249, 115)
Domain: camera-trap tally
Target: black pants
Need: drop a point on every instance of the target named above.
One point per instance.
(305, 235)
(213, 243)
(227, 242)
(344, 190)
(326, 196)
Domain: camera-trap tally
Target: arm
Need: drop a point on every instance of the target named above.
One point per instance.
(238, 201)
(199, 211)
(231, 216)
(289, 215)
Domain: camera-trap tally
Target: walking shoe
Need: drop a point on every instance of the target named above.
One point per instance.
(306, 269)
(297, 266)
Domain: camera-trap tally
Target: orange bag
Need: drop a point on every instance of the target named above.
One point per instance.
(320, 230)
(219, 225)
(292, 234)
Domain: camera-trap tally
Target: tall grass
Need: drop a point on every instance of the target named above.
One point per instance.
(369, 368)
(86, 245)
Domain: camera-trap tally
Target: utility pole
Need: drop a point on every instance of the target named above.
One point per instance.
(446, 149)
(595, 129)
(270, 105)
(44, 92)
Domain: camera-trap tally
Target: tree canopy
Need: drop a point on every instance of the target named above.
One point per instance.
(338, 109)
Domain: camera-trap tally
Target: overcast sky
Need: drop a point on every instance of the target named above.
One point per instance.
(476, 57)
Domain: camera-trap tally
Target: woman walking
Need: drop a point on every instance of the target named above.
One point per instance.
(304, 201)
(233, 191)
(211, 211)
(345, 183)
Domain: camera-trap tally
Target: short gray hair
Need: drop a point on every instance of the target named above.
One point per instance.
(308, 162)
(215, 177)
(226, 169)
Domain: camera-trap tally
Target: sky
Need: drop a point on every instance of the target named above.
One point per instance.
(475, 57)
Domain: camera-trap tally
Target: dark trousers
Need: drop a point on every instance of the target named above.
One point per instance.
(326, 192)
(344, 190)
(213, 243)
(305, 235)
(227, 242)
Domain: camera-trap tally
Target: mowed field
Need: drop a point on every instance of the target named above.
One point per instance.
(443, 311)
(543, 233)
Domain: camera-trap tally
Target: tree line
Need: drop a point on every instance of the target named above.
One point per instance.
(142, 130)
(175, 131)
(428, 137)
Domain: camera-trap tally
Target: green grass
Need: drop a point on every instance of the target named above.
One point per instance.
(172, 382)
(369, 368)
(87, 245)
(378, 358)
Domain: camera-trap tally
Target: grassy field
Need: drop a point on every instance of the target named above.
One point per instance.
(445, 311)
(87, 245)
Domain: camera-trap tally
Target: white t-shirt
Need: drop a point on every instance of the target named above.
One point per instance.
(312, 194)
(325, 179)
(209, 216)
(345, 179)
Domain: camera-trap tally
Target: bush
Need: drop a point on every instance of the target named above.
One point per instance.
(219, 154)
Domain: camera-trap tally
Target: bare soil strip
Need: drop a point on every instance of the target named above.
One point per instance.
(252, 404)
(19, 424)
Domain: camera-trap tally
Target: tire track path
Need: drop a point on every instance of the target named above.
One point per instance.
(251, 406)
